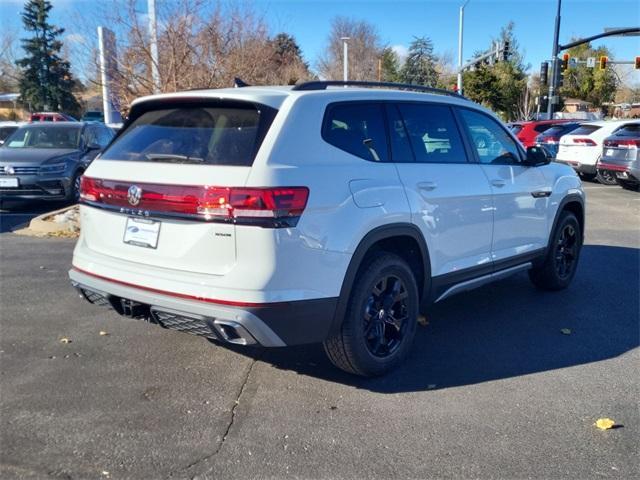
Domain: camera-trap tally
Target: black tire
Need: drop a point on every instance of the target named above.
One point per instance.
(386, 292)
(629, 185)
(589, 177)
(561, 261)
(73, 195)
(606, 177)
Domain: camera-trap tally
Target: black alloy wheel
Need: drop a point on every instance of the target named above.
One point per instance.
(566, 251)
(386, 316)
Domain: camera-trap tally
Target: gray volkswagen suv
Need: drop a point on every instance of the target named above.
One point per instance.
(44, 161)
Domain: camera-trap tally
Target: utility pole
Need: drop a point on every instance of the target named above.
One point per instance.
(555, 74)
(460, 30)
(345, 58)
(153, 40)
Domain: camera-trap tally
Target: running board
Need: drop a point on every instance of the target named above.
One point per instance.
(478, 282)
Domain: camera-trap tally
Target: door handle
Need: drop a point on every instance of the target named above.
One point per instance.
(428, 186)
(541, 193)
(498, 183)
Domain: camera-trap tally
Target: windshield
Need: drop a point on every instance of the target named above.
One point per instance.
(202, 135)
(44, 136)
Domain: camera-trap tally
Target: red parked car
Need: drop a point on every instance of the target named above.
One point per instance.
(528, 131)
(51, 117)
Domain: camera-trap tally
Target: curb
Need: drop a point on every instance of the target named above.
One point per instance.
(40, 225)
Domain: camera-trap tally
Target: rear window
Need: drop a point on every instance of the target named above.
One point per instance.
(559, 130)
(543, 127)
(630, 130)
(211, 135)
(585, 130)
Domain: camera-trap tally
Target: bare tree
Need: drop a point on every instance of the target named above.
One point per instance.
(9, 74)
(365, 48)
(200, 46)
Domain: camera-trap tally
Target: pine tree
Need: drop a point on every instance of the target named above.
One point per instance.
(390, 65)
(420, 66)
(46, 82)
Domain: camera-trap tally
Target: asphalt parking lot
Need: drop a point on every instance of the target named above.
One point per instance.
(493, 389)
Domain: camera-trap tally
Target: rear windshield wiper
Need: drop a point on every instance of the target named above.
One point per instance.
(172, 158)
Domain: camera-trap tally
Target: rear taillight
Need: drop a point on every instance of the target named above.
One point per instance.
(584, 141)
(268, 207)
(625, 143)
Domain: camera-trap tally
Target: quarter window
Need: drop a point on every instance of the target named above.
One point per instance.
(357, 128)
(491, 141)
(433, 133)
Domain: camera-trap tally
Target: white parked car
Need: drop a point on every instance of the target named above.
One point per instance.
(7, 128)
(582, 149)
(281, 216)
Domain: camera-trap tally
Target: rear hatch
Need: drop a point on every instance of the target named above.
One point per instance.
(159, 194)
(573, 146)
(622, 147)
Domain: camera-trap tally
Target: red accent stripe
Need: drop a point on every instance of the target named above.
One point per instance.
(609, 166)
(179, 295)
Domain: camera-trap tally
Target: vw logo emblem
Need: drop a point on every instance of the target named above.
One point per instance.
(9, 170)
(134, 195)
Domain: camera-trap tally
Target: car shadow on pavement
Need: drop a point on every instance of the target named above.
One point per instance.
(14, 214)
(505, 330)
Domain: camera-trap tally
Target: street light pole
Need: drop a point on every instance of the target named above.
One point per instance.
(555, 76)
(460, 29)
(153, 41)
(345, 58)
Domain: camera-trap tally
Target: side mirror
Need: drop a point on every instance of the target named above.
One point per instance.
(537, 156)
(94, 146)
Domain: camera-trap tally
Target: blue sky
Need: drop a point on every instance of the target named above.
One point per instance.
(399, 21)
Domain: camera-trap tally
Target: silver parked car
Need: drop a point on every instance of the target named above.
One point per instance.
(620, 158)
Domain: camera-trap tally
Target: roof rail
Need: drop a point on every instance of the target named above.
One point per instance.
(323, 84)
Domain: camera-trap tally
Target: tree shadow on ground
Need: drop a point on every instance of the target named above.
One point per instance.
(505, 330)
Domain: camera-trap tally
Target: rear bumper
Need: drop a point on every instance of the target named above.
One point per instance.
(269, 325)
(627, 170)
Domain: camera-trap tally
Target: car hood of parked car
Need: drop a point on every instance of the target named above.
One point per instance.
(34, 155)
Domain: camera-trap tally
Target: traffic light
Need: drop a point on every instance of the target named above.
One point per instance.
(505, 51)
(637, 65)
(565, 62)
(603, 62)
(544, 73)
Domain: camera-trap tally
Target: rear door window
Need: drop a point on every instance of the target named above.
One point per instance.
(357, 128)
(213, 135)
(433, 133)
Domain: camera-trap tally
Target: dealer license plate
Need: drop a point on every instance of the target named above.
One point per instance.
(142, 232)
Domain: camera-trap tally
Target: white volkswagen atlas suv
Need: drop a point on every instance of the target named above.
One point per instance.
(279, 216)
